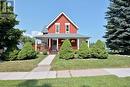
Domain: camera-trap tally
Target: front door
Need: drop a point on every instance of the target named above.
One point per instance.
(54, 45)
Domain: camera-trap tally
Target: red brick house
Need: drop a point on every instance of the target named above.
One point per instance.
(61, 28)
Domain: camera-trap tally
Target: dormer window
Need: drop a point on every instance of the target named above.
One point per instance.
(67, 27)
(57, 27)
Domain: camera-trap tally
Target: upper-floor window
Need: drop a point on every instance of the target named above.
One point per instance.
(57, 27)
(67, 27)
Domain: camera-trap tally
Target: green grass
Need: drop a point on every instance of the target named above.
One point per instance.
(99, 81)
(20, 65)
(112, 62)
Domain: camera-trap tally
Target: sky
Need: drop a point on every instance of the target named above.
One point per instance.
(89, 15)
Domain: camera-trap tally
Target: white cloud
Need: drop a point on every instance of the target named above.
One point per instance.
(26, 34)
(34, 33)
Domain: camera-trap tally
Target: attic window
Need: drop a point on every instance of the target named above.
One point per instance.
(57, 27)
(67, 27)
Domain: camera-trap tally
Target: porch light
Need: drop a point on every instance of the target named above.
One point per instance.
(62, 40)
(72, 41)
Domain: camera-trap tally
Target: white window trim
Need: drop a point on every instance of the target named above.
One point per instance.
(69, 27)
(56, 27)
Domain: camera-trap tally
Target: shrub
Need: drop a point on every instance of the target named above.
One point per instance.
(103, 55)
(76, 55)
(44, 52)
(10, 54)
(100, 45)
(66, 51)
(99, 51)
(84, 51)
(27, 52)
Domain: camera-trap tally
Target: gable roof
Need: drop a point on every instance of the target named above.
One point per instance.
(62, 13)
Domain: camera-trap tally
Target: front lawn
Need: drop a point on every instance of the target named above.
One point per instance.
(99, 81)
(20, 65)
(113, 61)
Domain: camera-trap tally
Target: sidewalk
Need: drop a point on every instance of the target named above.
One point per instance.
(120, 72)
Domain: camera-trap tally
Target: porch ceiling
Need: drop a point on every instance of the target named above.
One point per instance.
(61, 36)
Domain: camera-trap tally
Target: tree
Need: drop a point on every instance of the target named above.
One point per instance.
(118, 26)
(9, 36)
(99, 44)
(27, 52)
(25, 39)
(84, 51)
(99, 51)
(66, 51)
(10, 54)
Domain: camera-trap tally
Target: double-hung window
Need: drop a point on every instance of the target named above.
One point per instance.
(57, 27)
(67, 27)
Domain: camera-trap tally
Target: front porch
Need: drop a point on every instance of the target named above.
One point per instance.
(53, 42)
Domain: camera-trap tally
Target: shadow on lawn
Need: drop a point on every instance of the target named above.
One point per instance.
(33, 83)
(85, 86)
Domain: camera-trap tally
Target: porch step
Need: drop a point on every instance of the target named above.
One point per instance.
(53, 52)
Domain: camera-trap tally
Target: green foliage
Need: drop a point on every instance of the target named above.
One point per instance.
(99, 51)
(10, 54)
(66, 51)
(83, 46)
(100, 44)
(4, 7)
(9, 36)
(84, 51)
(118, 26)
(44, 52)
(27, 52)
(25, 39)
(76, 55)
(91, 45)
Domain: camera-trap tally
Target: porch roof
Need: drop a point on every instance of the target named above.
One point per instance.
(70, 35)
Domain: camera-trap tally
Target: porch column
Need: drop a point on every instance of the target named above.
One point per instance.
(88, 43)
(49, 43)
(78, 43)
(57, 45)
(35, 44)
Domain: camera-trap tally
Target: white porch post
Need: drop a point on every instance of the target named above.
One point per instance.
(49, 43)
(78, 43)
(35, 44)
(88, 43)
(57, 44)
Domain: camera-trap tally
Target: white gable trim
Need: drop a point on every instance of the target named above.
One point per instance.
(58, 17)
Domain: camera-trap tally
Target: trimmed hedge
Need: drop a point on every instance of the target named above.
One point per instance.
(99, 51)
(66, 51)
(84, 52)
(96, 51)
(27, 52)
(100, 45)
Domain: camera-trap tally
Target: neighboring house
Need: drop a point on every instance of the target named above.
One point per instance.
(61, 28)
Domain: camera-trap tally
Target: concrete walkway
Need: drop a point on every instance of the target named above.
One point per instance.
(120, 72)
(47, 61)
(45, 64)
